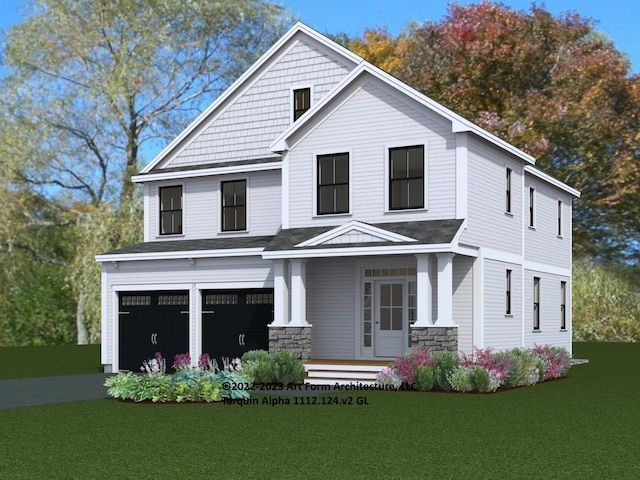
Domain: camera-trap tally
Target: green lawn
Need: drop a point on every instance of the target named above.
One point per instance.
(25, 362)
(584, 426)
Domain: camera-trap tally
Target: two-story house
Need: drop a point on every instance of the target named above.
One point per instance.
(322, 205)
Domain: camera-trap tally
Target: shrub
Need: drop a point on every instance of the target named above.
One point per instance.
(257, 366)
(388, 378)
(407, 365)
(287, 368)
(423, 378)
(445, 364)
(263, 372)
(460, 379)
(556, 360)
(481, 379)
(256, 356)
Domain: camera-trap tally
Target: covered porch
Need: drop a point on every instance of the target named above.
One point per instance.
(365, 302)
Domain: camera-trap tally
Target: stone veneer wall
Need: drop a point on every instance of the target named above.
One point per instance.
(296, 339)
(435, 338)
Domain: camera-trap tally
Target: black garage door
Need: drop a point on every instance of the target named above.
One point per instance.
(235, 321)
(152, 322)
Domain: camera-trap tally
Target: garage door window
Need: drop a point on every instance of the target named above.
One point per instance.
(221, 299)
(136, 300)
(259, 299)
(173, 300)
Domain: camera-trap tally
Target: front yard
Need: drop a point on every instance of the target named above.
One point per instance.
(582, 426)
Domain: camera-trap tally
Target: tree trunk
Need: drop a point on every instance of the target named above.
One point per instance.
(81, 321)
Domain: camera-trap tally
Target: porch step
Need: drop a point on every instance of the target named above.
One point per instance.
(342, 372)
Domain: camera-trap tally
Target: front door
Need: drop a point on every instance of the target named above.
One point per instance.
(389, 331)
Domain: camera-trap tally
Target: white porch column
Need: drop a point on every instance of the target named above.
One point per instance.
(280, 294)
(298, 293)
(423, 290)
(445, 290)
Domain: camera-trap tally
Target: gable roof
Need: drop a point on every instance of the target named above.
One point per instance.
(458, 123)
(269, 56)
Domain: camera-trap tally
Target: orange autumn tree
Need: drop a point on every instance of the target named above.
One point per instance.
(552, 86)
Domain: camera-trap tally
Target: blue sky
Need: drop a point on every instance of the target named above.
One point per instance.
(618, 19)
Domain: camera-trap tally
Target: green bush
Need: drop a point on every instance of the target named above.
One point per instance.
(445, 364)
(263, 372)
(287, 368)
(256, 366)
(481, 379)
(256, 356)
(461, 379)
(423, 378)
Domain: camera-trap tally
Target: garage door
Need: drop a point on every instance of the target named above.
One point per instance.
(152, 322)
(235, 321)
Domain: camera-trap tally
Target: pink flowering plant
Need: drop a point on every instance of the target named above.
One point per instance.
(555, 359)
(182, 362)
(388, 377)
(407, 365)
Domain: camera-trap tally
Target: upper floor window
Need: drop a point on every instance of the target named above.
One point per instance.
(406, 177)
(234, 205)
(536, 303)
(559, 218)
(333, 183)
(507, 207)
(301, 102)
(532, 201)
(171, 210)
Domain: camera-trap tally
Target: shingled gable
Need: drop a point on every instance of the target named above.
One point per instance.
(329, 102)
(229, 96)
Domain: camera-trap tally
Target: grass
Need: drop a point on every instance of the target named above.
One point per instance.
(584, 426)
(27, 362)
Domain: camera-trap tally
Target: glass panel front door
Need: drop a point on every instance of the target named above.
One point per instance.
(390, 319)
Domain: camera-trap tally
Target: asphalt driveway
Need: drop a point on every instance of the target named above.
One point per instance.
(31, 392)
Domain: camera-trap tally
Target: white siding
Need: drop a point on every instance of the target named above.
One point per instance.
(502, 331)
(367, 122)
(542, 243)
(164, 275)
(202, 205)
(487, 224)
(463, 301)
(549, 332)
(249, 125)
(331, 307)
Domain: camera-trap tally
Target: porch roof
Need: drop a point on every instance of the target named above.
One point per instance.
(430, 232)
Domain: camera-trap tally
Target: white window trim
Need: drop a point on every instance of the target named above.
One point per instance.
(410, 142)
(292, 89)
(169, 183)
(559, 217)
(332, 151)
(531, 207)
(233, 178)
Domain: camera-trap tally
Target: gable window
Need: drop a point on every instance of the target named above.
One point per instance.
(507, 207)
(563, 305)
(171, 210)
(234, 205)
(507, 309)
(532, 199)
(333, 184)
(406, 177)
(536, 303)
(559, 218)
(301, 102)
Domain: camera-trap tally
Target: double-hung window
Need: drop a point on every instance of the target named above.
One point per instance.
(507, 207)
(171, 210)
(301, 102)
(234, 205)
(333, 184)
(563, 305)
(532, 205)
(559, 218)
(536, 303)
(507, 309)
(406, 177)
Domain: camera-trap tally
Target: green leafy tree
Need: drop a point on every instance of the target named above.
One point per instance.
(92, 87)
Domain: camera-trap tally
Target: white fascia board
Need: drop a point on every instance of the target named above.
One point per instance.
(264, 59)
(358, 251)
(206, 172)
(131, 257)
(549, 179)
(360, 227)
